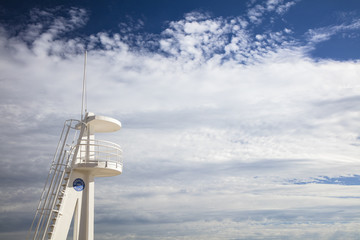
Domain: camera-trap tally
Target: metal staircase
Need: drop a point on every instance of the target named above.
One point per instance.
(56, 208)
(49, 207)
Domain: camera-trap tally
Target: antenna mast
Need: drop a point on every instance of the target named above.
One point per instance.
(84, 96)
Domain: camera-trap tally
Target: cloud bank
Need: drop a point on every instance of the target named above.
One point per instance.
(220, 124)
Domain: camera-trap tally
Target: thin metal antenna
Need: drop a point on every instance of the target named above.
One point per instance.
(84, 96)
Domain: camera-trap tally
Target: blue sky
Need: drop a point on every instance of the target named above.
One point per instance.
(240, 118)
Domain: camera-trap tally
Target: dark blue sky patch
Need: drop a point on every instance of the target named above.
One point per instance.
(149, 18)
(344, 46)
(107, 15)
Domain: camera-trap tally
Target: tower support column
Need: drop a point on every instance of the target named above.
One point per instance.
(86, 228)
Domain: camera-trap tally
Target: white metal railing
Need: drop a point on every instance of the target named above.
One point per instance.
(94, 151)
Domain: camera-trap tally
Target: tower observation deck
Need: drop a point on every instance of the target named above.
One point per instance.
(68, 193)
(99, 158)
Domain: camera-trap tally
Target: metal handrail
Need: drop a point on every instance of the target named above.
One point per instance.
(93, 150)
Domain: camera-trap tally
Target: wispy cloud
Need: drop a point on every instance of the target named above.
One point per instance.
(325, 33)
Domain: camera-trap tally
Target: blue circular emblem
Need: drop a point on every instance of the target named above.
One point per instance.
(79, 184)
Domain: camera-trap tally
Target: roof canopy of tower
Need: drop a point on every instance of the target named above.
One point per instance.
(102, 124)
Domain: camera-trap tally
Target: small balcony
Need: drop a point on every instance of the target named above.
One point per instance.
(102, 158)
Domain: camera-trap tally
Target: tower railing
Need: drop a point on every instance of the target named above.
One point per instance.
(94, 151)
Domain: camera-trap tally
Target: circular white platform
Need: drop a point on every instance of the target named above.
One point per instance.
(102, 124)
(100, 169)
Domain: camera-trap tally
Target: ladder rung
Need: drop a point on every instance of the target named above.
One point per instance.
(45, 209)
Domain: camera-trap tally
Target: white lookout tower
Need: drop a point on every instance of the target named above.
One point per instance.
(68, 193)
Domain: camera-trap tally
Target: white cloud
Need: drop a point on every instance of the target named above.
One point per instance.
(256, 13)
(216, 125)
(285, 7)
(219, 39)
